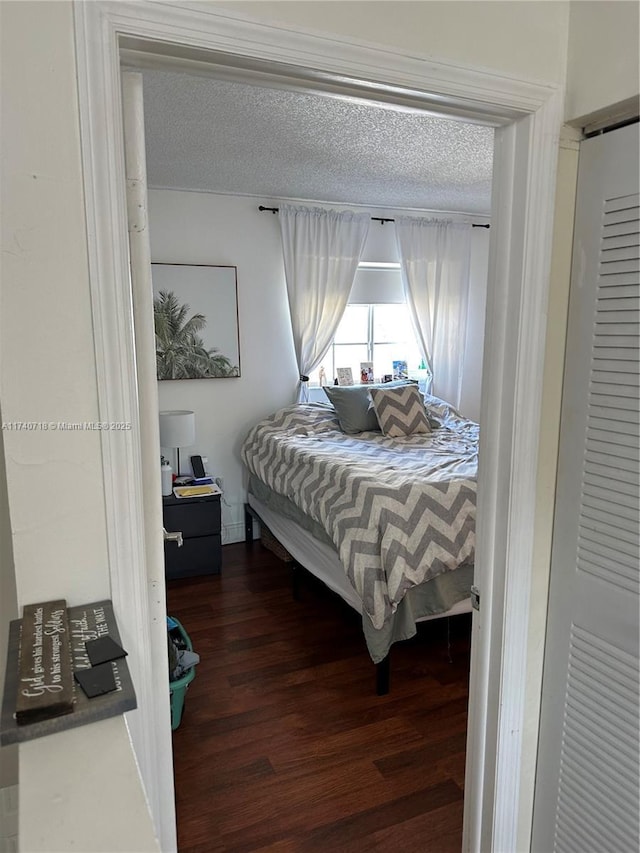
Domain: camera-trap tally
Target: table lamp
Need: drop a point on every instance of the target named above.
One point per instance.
(177, 429)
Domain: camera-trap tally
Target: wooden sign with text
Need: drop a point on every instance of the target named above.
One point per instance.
(85, 622)
(45, 677)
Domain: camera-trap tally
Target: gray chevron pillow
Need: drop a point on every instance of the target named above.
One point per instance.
(400, 411)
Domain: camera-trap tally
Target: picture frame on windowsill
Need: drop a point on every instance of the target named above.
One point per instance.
(345, 375)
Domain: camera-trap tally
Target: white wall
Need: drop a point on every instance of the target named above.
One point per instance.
(201, 228)
(48, 374)
(604, 56)
(514, 37)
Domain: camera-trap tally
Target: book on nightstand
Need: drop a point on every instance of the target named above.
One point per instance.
(197, 490)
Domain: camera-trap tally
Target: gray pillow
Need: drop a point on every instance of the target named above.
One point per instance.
(400, 411)
(352, 404)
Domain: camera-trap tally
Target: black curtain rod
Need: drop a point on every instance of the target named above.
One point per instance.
(374, 218)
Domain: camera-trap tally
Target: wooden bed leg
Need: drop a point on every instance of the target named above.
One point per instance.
(295, 581)
(248, 525)
(383, 672)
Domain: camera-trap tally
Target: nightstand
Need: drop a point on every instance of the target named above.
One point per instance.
(199, 520)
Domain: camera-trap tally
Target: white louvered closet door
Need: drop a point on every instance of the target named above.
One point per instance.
(587, 791)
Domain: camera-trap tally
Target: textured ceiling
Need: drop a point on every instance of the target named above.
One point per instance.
(219, 136)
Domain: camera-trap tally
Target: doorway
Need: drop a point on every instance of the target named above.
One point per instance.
(529, 119)
(212, 224)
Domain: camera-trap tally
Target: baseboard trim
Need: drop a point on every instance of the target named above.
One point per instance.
(235, 532)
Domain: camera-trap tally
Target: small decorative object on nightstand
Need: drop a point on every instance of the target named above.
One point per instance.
(166, 477)
(199, 521)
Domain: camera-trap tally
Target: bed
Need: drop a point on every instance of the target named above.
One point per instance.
(386, 521)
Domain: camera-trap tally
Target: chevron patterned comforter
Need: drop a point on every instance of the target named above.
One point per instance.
(399, 510)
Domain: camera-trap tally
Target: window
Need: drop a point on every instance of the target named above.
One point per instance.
(380, 332)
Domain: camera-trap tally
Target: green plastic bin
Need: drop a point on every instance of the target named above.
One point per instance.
(178, 688)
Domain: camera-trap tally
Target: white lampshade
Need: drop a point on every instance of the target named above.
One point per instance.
(177, 429)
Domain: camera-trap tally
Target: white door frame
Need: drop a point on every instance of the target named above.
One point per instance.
(529, 118)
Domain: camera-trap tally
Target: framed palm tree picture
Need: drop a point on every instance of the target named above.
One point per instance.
(195, 310)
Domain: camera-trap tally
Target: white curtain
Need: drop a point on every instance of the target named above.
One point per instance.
(435, 257)
(322, 249)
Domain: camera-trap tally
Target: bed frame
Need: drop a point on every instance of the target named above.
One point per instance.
(322, 561)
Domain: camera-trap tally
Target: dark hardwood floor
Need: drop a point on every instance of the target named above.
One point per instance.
(284, 745)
